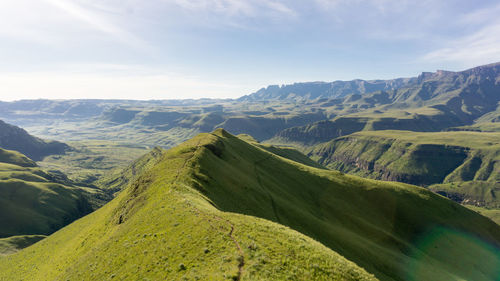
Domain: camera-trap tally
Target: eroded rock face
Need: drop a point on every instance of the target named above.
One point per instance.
(386, 159)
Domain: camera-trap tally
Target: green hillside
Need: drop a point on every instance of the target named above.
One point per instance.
(15, 158)
(121, 178)
(161, 228)
(479, 127)
(179, 219)
(418, 120)
(283, 151)
(461, 165)
(36, 202)
(480, 196)
(413, 157)
(15, 138)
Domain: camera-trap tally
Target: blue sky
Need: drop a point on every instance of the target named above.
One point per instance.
(164, 49)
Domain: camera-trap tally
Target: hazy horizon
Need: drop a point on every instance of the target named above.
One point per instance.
(137, 98)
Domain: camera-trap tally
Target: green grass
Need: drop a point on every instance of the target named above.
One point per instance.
(204, 211)
(372, 223)
(13, 244)
(462, 165)
(15, 158)
(414, 157)
(15, 138)
(38, 207)
(90, 161)
(33, 201)
(478, 193)
(479, 196)
(119, 179)
(283, 151)
(480, 127)
(493, 214)
(160, 228)
(475, 140)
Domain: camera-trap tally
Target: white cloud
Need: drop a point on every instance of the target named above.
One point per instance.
(481, 16)
(53, 22)
(379, 6)
(235, 12)
(479, 46)
(93, 19)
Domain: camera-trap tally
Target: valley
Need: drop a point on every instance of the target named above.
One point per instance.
(207, 219)
(347, 180)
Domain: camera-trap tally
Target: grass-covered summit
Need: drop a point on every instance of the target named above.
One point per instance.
(204, 212)
(162, 228)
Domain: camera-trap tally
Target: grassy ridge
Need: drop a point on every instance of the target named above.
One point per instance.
(161, 228)
(372, 223)
(283, 151)
(179, 220)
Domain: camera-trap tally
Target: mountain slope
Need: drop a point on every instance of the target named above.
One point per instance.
(325, 90)
(431, 102)
(15, 158)
(15, 138)
(160, 228)
(416, 158)
(35, 202)
(372, 223)
(178, 219)
(318, 132)
(461, 165)
(120, 179)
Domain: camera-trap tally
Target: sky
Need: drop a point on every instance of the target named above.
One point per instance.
(174, 49)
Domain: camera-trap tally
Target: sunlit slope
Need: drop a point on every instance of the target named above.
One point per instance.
(462, 165)
(415, 157)
(35, 202)
(120, 179)
(15, 158)
(161, 228)
(396, 231)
